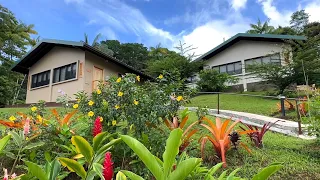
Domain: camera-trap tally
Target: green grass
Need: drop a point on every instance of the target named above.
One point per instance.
(301, 158)
(255, 105)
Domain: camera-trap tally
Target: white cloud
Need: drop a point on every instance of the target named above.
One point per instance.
(276, 17)
(238, 4)
(313, 10)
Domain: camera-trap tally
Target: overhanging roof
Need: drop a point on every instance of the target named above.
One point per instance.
(44, 46)
(245, 36)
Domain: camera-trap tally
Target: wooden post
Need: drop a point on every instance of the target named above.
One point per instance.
(283, 111)
(218, 103)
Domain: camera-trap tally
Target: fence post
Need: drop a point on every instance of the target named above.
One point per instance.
(218, 103)
(299, 119)
(283, 111)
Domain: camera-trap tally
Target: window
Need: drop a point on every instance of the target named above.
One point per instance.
(237, 68)
(275, 59)
(40, 79)
(216, 68)
(223, 69)
(231, 68)
(64, 73)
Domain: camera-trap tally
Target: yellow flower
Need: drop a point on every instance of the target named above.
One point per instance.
(160, 76)
(120, 93)
(117, 106)
(75, 106)
(33, 109)
(101, 118)
(138, 78)
(27, 138)
(90, 103)
(90, 113)
(119, 80)
(114, 122)
(39, 118)
(98, 91)
(179, 98)
(12, 118)
(135, 102)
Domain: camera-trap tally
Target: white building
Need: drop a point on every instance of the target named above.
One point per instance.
(233, 55)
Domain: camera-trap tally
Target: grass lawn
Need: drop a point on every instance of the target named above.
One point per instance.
(256, 105)
(301, 158)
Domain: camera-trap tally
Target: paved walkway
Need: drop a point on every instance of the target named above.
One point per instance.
(283, 126)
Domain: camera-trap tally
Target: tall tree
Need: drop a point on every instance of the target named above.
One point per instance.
(299, 19)
(261, 28)
(15, 37)
(186, 50)
(95, 43)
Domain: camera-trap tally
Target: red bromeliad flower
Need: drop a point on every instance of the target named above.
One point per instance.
(108, 167)
(97, 128)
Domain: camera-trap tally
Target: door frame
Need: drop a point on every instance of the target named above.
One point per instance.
(96, 67)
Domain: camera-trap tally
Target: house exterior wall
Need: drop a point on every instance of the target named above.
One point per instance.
(57, 57)
(244, 50)
(109, 69)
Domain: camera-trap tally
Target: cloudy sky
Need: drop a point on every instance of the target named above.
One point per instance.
(201, 23)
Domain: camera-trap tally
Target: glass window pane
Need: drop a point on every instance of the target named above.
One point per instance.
(238, 68)
(256, 61)
(63, 73)
(56, 75)
(266, 60)
(223, 69)
(230, 68)
(39, 77)
(74, 70)
(216, 68)
(44, 76)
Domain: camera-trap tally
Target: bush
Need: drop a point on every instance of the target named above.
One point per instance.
(211, 80)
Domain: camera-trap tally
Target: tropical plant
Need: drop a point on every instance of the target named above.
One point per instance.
(213, 81)
(91, 155)
(165, 169)
(187, 133)
(219, 137)
(261, 28)
(257, 135)
(4, 141)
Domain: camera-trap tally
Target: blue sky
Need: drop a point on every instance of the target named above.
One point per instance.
(202, 23)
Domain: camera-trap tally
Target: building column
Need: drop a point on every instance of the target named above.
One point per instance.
(244, 80)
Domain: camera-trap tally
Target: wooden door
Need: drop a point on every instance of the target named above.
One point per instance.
(97, 77)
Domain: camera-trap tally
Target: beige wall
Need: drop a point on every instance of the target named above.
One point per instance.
(58, 56)
(244, 50)
(109, 69)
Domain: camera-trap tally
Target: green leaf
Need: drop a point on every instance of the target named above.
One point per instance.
(213, 170)
(222, 175)
(16, 137)
(171, 151)
(91, 175)
(83, 147)
(55, 169)
(33, 145)
(131, 175)
(47, 156)
(73, 166)
(4, 141)
(184, 169)
(36, 170)
(145, 155)
(105, 148)
(98, 168)
(121, 176)
(232, 174)
(98, 139)
(266, 172)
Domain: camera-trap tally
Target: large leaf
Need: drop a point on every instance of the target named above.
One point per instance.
(83, 147)
(105, 148)
(73, 166)
(98, 139)
(33, 145)
(131, 175)
(36, 171)
(98, 168)
(121, 176)
(55, 169)
(171, 151)
(184, 169)
(16, 137)
(213, 170)
(4, 141)
(145, 155)
(266, 172)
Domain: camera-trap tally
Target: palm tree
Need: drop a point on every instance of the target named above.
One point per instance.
(260, 28)
(95, 42)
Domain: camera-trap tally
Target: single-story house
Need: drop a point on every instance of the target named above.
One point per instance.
(54, 65)
(235, 54)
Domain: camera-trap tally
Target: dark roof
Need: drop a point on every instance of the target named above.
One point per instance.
(44, 46)
(245, 36)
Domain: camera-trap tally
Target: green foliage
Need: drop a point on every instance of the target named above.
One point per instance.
(213, 81)
(261, 28)
(4, 141)
(163, 170)
(313, 116)
(299, 20)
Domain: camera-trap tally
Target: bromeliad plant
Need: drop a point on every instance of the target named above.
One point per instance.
(256, 136)
(219, 137)
(161, 170)
(92, 156)
(187, 133)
